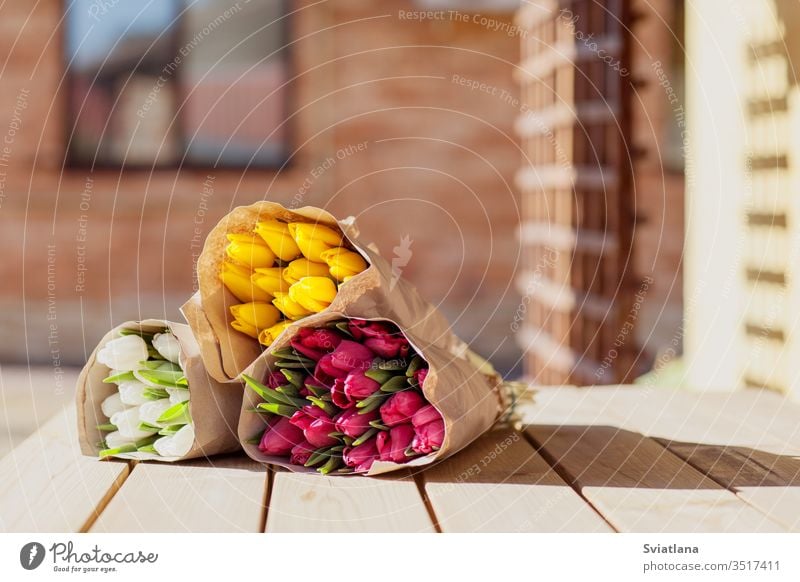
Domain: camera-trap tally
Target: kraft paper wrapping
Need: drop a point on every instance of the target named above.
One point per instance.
(214, 407)
(469, 399)
(377, 290)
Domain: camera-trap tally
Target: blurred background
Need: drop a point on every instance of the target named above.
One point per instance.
(592, 192)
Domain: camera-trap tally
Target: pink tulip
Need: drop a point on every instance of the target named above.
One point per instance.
(357, 386)
(303, 418)
(429, 437)
(361, 457)
(353, 424)
(276, 379)
(326, 372)
(350, 355)
(388, 347)
(315, 343)
(400, 407)
(361, 328)
(392, 444)
(318, 433)
(420, 376)
(425, 415)
(339, 396)
(301, 452)
(280, 437)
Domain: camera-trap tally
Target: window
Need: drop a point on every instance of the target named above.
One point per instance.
(176, 82)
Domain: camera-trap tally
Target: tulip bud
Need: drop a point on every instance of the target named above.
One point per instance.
(289, 307)
(314, 293)
(300, 268)
(112, 405)
(318, 433)
(267, 336)
(269, 280)
(177, 395)
(301, 453)
(115, 440)
(425, 415)
(343, 263)
(176, 445)
(400, 407)
(280, 437)
(167, 345)
(249, 251)
(259, 315)
(276, 234)
(245, 328)
(392, 444)
(353, 424)
(151, 411)
(429, 437)
(123, 353)
(127, 423)
(315, 343)
(420, 376)
(132, 392)
(357, 386)
(361, 457)
(237, 279)
(350, 355)
(314, 239)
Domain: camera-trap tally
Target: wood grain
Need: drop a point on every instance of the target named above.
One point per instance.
(218, 495)
(638, 486)
(46, 485)
(768, 482)
(500, 484)
(313, 503)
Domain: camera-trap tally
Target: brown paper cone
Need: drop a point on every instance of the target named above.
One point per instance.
(214, 407)
(469, 400)
(378, 290)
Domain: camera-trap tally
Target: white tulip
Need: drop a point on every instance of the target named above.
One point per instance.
(150, 411)
(112, 405)
(167, 345)
(123, 353)
(177, 395)
(177, 445)
(127, 423)
(132, 393)
(114, 440)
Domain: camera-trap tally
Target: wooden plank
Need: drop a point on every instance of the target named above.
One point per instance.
(500, 484)
(217, 495)
(565, 405)
(638, 486)
(766, 481)
(302, 502)
(46, 485)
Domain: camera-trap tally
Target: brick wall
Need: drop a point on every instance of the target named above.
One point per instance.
(85, 250)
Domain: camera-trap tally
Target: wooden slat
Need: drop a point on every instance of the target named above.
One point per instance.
(638, 486)
(768, 482)
(46, 485)
(313, 503)
(218, 495)
(500, 484)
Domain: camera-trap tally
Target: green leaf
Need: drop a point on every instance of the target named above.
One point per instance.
(168, 379)
(416, 364)
(365, 437)
(255, 386)
(332, 464)
(106, 427)
(155, 393)
(343, 327)
(118, 451)
(323, 404)
(153, 353)
(317, 457)
(284, 364)
(171, 430)
(318, 391)
(294, 377)
(147, 427)
(145, 335)
(288, 390)
(378, 424)
(286, 353)
(253, 440)
(119, 378)
(182, 382)
(372, 401)
(147, 449)
(348, 440)
(380, 376)
(176, 414)
(281, 409)
(395, 384)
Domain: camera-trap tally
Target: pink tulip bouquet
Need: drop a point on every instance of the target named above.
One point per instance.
(350, 394)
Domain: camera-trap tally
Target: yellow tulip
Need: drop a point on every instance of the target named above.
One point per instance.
(276, 234)
(314, 239)
(267, 336)
(257, 314)
(313, 293)
(344, 263)
(245, 328)
(300, 268)
(237, 279)
(269, 280)
(288, 307)
(249, 250)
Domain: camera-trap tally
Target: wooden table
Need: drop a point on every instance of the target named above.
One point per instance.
(623, 458)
